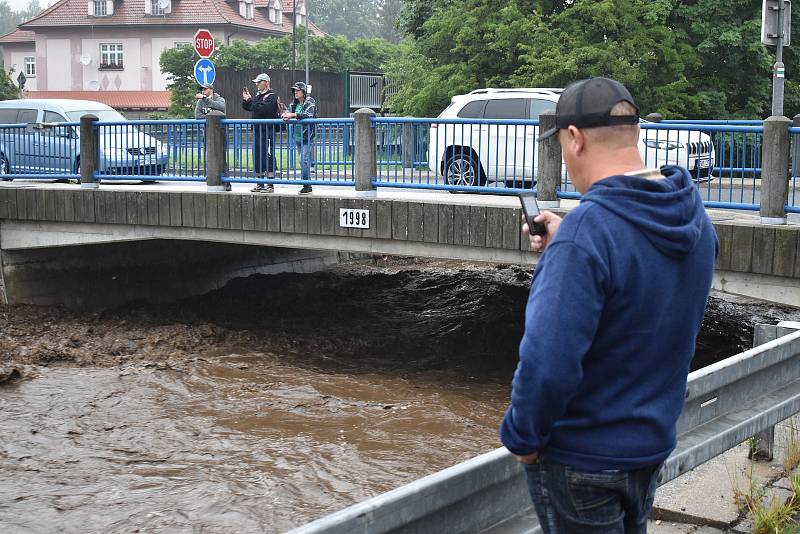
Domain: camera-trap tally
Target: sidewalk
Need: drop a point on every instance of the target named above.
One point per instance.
(704, 500)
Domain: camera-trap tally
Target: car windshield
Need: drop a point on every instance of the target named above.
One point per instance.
(105, 115)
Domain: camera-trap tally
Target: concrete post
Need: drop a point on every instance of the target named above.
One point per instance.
(215, 153)
(655, 117)
(548, 172)
(90, 152)
(409, 143)
(775, 170)
(365, 158)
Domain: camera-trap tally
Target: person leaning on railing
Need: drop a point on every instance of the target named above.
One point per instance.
(614, 310)
(303, 107)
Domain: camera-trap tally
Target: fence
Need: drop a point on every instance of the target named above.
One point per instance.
(726, 403)
(726, 159)
(39, 151)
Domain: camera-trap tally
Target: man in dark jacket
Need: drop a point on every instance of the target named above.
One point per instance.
(264, 105)
(207, 101)
(615, 307)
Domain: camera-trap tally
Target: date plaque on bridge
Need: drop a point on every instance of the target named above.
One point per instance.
(353, 218)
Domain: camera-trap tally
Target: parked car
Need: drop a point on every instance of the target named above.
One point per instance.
(41, 143)
(476, 154)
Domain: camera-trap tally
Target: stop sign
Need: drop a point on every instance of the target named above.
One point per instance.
(203, 43)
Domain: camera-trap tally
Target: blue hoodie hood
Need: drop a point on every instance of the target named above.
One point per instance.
(650, 205)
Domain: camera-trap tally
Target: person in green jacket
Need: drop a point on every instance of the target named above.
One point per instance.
(303, 107)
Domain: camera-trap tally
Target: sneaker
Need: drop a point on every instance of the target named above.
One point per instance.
(228, 186)
(263, 188)
(306, 190)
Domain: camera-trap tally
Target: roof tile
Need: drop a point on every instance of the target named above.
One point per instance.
(184, 12)
(120, 100)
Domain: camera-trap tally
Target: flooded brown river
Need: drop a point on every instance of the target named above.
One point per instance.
(270, 402)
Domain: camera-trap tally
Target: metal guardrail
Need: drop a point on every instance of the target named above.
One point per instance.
(172, 150)
(726, 403)
(39, 151)
(469, 155)
(331, 151)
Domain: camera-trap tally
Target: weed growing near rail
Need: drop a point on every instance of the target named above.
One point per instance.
(792, 458)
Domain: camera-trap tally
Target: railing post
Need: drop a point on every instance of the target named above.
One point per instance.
(365, 158)
(409, 144)
(215, 152)
(548, 173)
(90, 152)
(775, 170)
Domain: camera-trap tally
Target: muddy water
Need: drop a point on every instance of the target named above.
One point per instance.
(268, 403)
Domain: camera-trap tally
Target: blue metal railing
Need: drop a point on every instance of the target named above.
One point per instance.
(172, 150)
(330, 147)
(470, 155)
(48, 151)
(478, 155)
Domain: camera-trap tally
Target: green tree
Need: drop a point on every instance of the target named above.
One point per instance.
(352, 19)
(326, 54)
(8, 89)
(683, 58)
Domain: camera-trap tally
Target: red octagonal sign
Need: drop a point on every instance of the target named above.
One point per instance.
(203, 43)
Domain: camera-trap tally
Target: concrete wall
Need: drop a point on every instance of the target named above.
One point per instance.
(104, 275)
(14, 55)
(755, 260)
(59, 53)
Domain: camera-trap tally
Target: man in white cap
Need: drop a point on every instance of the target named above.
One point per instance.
(264, 105)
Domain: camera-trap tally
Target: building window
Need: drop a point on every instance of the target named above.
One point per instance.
(111, 56)
(155, 9)
(100, 8)
(30, 66)
(246, 8)
(275, 13)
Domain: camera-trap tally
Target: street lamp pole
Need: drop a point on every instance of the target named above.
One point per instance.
(778, 75)
(308, 12)
(294, 31)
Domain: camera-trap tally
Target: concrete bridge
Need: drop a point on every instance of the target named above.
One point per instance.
(94, 247)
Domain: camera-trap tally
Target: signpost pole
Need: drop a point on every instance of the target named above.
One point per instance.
(778, 70)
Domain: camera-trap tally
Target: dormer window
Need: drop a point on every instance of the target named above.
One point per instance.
(276, 12)
(159, 7)
(101, 8)
(246, 8)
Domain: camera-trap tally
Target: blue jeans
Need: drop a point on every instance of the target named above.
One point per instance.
(304, 149)
(570, 501)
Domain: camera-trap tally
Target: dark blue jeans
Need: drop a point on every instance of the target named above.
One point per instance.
(569, 501)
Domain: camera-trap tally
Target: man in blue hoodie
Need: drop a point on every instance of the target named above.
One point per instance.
(614, 309)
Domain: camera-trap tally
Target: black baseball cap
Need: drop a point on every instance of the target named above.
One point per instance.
(299, 86)
(588, 104)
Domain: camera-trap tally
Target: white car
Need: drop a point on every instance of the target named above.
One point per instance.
(479, 152)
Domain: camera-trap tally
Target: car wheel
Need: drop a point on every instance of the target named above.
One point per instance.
(5, 170)
(462, 169)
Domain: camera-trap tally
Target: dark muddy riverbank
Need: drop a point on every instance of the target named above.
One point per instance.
(270, 402)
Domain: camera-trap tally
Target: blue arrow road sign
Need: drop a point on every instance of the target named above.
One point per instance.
(204, 71)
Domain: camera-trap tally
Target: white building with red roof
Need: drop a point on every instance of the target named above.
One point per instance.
(115, 45)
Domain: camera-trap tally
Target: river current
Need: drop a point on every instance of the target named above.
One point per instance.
(270, 402)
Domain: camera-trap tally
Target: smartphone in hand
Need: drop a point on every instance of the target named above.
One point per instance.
(531, 209)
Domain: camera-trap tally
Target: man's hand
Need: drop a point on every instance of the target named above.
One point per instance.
(199, 96)
(551, 221)
(529, 459)
(246, 95)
